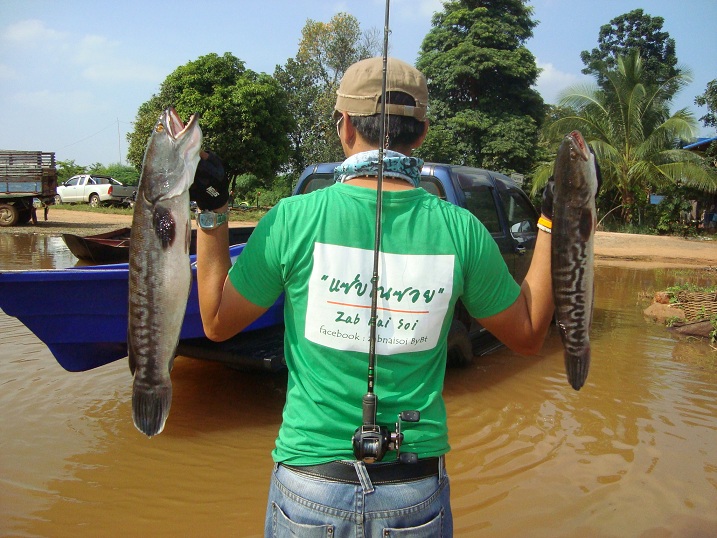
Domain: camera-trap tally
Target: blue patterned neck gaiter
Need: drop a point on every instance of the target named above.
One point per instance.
(394, 165)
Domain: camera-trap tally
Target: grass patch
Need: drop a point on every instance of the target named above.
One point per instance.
(251, 215)
(689, 286)
(86, 208)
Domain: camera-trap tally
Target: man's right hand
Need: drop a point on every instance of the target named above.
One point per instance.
(546, 205)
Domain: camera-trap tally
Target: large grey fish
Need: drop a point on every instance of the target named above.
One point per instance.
(574, 218)
(159, 272)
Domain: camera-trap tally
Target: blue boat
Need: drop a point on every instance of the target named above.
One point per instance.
(80, 313)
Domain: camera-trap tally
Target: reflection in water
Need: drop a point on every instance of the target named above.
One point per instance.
(34, 251)
(630, 454)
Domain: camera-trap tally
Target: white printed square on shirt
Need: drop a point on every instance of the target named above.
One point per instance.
(414, 294)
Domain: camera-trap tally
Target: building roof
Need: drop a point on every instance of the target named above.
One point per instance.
(700, 143)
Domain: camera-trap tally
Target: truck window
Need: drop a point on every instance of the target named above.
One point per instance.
(478, 190)
(480, 202)
(72, 181)
(432, 185)
(318, 181)
(520, 213)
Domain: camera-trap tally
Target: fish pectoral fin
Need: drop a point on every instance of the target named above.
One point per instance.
(165, 227)
(587, 223)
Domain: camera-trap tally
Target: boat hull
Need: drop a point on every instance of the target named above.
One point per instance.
(110, 247)
(113, 246)
(81, 313)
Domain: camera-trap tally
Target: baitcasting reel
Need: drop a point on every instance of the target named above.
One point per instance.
(371, 441)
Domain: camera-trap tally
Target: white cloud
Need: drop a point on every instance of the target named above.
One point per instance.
(96, 58)
(75, 102)
(8, 73)
(417, 9)
(428, 7)
(94, 48)
(552, 81)
(31, 31)
(118, 70)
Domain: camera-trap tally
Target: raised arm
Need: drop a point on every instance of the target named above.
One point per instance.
(523, 325)
(224, 310)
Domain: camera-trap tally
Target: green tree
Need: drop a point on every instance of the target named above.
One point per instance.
(67, 169)
(123, 173)
(634, 137)
(310, 81)
(639, 32)
(243, 115)
(331, 47)
(310, 103)
(709, 99)
(483, 109)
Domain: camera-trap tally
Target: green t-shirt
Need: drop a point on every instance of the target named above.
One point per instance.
(318, 249)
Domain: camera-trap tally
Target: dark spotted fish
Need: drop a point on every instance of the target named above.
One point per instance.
(574, 218)
(159, 272)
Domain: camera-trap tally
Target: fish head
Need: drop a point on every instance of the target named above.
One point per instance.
(575, 164)
(171, 157)
(577, 145)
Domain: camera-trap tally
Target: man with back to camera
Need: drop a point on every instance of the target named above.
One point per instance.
(318, 249)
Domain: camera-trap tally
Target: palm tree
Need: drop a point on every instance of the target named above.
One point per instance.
(635, 139)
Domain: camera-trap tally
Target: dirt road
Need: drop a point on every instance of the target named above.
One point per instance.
(625, 250)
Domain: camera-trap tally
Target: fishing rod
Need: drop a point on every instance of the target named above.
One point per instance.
(370, 399)
(371, 441)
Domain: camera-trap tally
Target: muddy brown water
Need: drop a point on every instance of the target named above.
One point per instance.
(634, 453)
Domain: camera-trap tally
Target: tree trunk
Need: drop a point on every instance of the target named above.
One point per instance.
(628, 205)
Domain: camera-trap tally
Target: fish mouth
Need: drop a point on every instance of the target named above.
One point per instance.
(174, 125)
(578, 147)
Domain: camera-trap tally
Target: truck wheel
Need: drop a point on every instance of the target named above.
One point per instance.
(58, 199)
(24, 216)
(94, 200)
(460, 349)
(9, 215)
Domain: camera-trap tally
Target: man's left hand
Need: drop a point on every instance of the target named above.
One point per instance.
(211, 187)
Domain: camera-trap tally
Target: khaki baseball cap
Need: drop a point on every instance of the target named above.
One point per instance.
(359, 93)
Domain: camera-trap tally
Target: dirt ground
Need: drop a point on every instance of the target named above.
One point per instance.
(625, 250)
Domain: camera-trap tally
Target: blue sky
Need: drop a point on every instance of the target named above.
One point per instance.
(73, 73)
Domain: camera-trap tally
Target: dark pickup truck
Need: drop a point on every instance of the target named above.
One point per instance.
(494, 198)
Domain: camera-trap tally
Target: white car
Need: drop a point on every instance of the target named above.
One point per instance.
(94, 190)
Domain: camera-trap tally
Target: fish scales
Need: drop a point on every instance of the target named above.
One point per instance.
(572, 252)
(159, 271)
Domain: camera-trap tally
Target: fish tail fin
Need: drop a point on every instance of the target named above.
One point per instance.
(577, 366)
(150, 407)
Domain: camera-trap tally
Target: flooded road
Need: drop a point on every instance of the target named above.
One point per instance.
(634, 453)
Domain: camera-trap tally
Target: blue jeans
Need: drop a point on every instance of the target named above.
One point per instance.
(300, 505)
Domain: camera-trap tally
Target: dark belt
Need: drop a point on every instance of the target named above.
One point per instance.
(380, 473)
